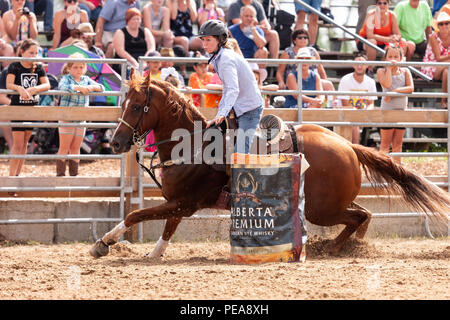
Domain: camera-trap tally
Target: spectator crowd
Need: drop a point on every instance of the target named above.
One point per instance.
(125, 29)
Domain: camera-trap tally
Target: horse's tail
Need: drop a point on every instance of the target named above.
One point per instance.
(416, 190)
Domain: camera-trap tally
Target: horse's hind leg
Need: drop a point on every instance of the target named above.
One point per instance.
(362, 229)
(354, 217)
(161, 246)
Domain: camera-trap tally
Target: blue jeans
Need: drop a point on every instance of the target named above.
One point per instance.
(43, 6)
(247, 124)
(92, 14)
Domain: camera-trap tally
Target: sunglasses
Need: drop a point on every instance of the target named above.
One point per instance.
(302, 37)
(70, 1)
(382, 3)
(444, 23)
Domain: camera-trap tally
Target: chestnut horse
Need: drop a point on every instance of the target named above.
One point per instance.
(331, 183)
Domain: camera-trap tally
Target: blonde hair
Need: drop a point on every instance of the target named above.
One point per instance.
(68, 65)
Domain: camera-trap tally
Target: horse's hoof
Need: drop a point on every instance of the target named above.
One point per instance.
(153, 256)
(99, 249)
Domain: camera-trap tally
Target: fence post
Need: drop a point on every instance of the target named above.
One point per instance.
(131, 203)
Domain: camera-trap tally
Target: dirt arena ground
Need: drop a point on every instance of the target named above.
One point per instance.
(370, 269)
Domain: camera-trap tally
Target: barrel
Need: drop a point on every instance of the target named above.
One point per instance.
(267, 208)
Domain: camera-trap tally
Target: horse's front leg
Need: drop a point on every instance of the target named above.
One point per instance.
(161, 246)
(171, 209)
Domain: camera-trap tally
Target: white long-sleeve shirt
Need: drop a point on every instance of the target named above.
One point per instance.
(240, 90)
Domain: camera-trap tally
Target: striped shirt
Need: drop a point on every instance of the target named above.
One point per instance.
(67, 83)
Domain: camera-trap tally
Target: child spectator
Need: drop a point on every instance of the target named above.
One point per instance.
(170, 52)
(170, 75)
(438, 50)
(394, 79)
(28, 79)
(357, 81)
(157, 19)
(70, 138)
(154, 67)
(198, 80)
(310, 81)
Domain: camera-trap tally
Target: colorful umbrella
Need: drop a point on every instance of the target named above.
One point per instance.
(100, 72)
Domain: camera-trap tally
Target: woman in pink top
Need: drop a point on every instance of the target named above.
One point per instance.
(210, 11)
(438, 50)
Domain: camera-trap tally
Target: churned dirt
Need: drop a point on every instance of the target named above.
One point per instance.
(373, 269)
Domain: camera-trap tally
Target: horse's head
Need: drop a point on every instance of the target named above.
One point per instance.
(138, 115)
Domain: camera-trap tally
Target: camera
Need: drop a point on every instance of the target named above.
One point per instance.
(26, 11)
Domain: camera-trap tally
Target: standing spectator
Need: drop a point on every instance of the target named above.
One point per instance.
(310, 81)
(183, 14)
(414, 20)
(19, 22)
(87, 35)
(210, 11)
(111, 19)
(28, 79)
(394, 79)
(40, 7)
(199, 80)
(70, 138)
(300, 39)
(157, 19)
(66, 24)
(92, 7)
(270, 35)
(358, 81)
(250, 37)
(381, 29)
(133, 41)
(313, 19)
(438, 50)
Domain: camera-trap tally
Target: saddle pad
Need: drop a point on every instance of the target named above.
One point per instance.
(267, 209)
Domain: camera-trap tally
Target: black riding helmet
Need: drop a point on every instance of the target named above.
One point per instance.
(213, 28)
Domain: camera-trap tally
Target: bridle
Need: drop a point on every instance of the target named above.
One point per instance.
(139, 139)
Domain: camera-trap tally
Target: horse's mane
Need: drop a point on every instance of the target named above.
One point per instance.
(174, 97)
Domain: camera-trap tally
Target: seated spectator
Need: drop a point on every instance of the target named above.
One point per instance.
(313, 19)
(20, 23)
(183, 14)
(300, 39)
(40, 7)
(210, 11)
(310, 81)
(87, 35)
(414, 21)
(92, 7)
(6, 50)
(357, 81)
(111, 19)
(170, 52)
(250, 37)
(199, 80)
(154, 67)
(438, 50)
(66, 22)
(381, 28)
(133, 41)
(444, 8)
(271, 36)
(394, 79)
(157, 20)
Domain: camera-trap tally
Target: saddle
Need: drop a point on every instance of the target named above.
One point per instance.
(277, 135)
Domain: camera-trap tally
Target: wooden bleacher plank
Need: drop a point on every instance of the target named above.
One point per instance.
(60, 113)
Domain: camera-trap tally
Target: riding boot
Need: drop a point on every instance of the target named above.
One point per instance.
(73, 167)
(60, 168)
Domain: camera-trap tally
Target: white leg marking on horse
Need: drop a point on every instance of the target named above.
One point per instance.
(115, 233)
(159, 249)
